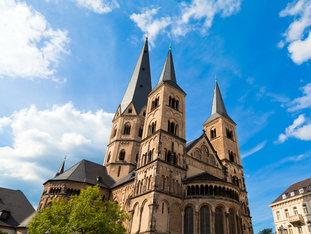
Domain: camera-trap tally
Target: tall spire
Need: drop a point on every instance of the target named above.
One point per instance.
(218, 108)
(140, 84)
(168, 72)
(61, 169)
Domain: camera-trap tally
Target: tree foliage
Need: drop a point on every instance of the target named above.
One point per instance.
(83, 214)
(3, 232)
(266, 231)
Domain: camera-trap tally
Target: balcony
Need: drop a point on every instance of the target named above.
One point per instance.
(295, 219)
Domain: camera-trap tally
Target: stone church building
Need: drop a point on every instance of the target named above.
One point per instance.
(168, 185)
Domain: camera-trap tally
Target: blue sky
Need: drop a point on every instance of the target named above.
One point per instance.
(65, 65)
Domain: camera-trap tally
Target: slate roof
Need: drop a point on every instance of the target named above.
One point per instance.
(203, 176)
(130, 176)
(218, 107)
(168, 73)
(295, 187)
(140, 84)
(26, 221)
(88, 172)
(18, 205)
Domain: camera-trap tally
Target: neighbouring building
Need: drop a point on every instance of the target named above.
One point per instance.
(15, 211)
(292, 209)
(165, 183)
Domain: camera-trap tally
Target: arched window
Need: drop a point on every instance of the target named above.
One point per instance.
(231, 156)
(127, 129)
(136, 157)
(155, 103)
(219, 221)
(114, 132)
(122, 155)
(172, 128)
(140, 132)
(108, 159)
(229, 133)
(152, 127)
(205, 223)
(213, 133)
(232, 224)
(188, 224)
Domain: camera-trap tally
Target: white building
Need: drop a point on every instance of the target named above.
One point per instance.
(292, 209)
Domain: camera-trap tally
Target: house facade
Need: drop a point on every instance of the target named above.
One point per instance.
(292, 209)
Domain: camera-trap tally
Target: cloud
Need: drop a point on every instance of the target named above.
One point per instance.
(98, 6)
(299, 48)
(254, 150)
(300, 129)
(148, 24)
(29, 47)
(197, 15)
(301, 102)
(41, 138)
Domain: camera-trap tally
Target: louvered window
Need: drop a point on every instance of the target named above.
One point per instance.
(219, 221)
(205, 227)
(188, 220)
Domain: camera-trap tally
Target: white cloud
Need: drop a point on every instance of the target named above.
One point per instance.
(5, 121)
(254, 150)
(148, 24)
(302, 102)
(98, 6)
(188, 19)
(42, 138)
(29, 47)
(299, 48)
(300, 129)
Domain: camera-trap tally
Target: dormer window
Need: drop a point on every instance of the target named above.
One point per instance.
(4, 214)
(301, 190)
(284, 196)
(130, 110)
(98, 178)
(292, 193)
(309, 187)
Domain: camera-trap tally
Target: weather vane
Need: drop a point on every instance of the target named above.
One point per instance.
(215, 78)
(147, 34)
(65, 157)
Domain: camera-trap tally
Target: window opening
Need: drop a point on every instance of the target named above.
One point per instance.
(140, 132)
(130, 110)
(108, 159)
(122, 155)
(127, 129)
(119, 170)
(213, 133)
(305, 209)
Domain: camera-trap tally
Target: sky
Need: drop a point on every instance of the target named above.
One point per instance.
(65, 65)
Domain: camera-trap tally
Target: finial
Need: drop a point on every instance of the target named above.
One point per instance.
(147, 35)
(170, 46)
(215, 78)
(65, 157)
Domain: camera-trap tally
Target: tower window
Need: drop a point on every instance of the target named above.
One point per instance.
(231, 156)
(108, 159)
(137, 157)
(119, 170)
(172, 128)
(213, 133)
(140, 132)
(173, 103)
(144, 114)
(114, 132)
(127, 129)
(130, 110)
(155, 103)
(122, 155)
(229, 133)
(152, 128)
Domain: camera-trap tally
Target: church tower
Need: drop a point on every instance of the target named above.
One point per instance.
(161, 165)
(221, 131)
(128, 123)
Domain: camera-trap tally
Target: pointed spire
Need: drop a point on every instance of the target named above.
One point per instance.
(168, 72)
(140, 84)
(61, 169)
(218, 108)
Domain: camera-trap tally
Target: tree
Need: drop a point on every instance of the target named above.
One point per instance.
(3, 232)
(266, 231)
(83, 214)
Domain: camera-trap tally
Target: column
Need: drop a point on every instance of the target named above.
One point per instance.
(213, 222)
(196, 222)
(227, 222)
(182, 222)
(152, 216)
(168, 220)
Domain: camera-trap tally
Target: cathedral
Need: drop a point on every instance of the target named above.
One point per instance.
(168, 185)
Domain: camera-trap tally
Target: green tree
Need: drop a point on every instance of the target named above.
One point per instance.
(266, 231)
(3, 232)
(83, 214)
